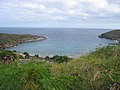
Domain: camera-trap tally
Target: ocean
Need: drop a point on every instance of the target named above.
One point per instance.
(61, 41)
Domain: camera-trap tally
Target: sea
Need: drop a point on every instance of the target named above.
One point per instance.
(72, 42)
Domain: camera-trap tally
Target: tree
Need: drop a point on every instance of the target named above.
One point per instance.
(36, 56)
(60, 59)
(26, 54)
(47, 58)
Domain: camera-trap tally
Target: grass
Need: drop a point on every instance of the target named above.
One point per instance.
(99, 70)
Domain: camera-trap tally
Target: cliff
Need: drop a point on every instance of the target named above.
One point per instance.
(112, 35)
(10, 40)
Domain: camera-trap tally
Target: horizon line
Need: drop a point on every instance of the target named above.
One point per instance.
(62, 27)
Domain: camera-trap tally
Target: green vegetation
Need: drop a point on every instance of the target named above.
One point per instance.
(31, 76)
(113, 35)
(9, 40)
(26, 54)
(7, 56)
(6, 53)
(58, 59)
(100, 70)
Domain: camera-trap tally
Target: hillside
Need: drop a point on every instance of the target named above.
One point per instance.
(112, 35)
(100, 70)
(10, 40)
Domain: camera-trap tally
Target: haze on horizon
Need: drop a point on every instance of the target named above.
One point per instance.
(60, 13)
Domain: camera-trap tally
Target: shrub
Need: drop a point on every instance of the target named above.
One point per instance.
(31, 76)
(26, 54)
(60, 59)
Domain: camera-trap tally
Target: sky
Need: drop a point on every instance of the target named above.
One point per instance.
(60, 13)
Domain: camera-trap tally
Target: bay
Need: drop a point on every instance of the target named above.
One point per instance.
(61, 41)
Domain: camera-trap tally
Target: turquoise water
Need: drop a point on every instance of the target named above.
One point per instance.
(61, 41)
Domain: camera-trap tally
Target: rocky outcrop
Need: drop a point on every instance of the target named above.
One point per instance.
(112, 35)
(10, 40)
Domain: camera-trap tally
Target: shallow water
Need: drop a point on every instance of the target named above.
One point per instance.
(61, 41)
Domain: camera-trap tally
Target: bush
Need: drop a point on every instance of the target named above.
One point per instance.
(31, 76)
(7, 53)
(60, 59)
(26, 54)
(100, 70)
(97, 71)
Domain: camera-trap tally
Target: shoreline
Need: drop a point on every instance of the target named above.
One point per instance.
(70, 56)
(24, 38)
(27, 41)
(111, 35)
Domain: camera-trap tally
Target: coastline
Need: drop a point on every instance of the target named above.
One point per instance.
(25, 38)
(27, 41)
(111, 35)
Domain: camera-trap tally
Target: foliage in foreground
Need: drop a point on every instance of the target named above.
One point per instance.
(31, 76)
(97, 71)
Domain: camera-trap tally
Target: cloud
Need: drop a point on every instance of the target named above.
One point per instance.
(59, 10)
